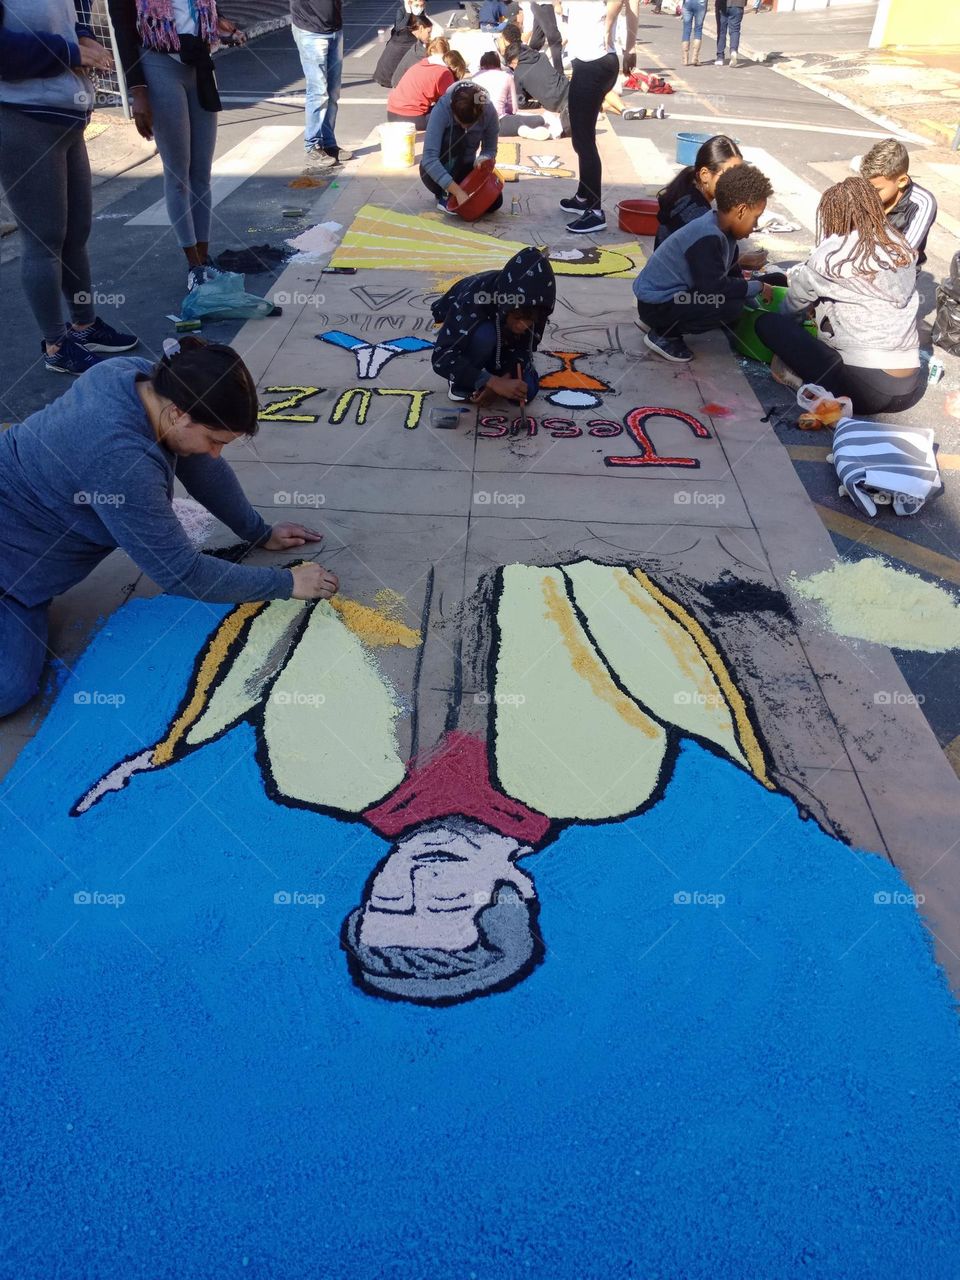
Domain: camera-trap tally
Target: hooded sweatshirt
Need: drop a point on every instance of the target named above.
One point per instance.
(527, 280)
(872, 314)
(539, 79)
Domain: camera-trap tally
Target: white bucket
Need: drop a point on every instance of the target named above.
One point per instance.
(396, 145)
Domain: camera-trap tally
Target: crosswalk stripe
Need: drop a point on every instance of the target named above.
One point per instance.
(789, 191)
(232, 169)
(649, 163)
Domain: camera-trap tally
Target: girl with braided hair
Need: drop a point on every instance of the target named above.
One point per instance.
(860, 281)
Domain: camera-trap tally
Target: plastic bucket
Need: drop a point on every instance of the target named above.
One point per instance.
(745, 334)
(688, 144)
(638, 217)
(397, 145)
(482, 187)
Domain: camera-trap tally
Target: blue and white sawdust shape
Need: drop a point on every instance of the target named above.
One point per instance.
(765, 1086)
(372, 356)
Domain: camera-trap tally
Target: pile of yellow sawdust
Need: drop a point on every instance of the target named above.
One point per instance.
(871, 600)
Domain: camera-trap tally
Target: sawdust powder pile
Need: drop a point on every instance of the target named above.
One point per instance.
(871, 600)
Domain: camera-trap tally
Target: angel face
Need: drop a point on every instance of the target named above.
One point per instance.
(435, 882)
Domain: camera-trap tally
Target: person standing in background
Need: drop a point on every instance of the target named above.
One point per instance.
(729, 15)
(546, 29)
(45, 103)
(590, 26)
(318, 30)
(694, 12)
(631, 17)
(164, 48)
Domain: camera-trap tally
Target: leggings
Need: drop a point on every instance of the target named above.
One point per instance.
(23, 643)
(870, 390)
(545, 29)
(186, 136)
(694, 12)
(589, 85)
(510, 126)
(45, 174)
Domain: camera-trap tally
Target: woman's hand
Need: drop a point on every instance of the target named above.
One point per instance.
(457, 192)
(230, 32)
(311, 582)
(142, 112)
(93, 56)
(284, 536)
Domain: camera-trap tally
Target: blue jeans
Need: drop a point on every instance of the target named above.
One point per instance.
(694, 12)
(322, 60)
(728, 20)
(23, 652)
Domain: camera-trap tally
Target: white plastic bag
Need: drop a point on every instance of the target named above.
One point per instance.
(817, 402)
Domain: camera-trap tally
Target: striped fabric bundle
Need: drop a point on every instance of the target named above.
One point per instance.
(879, 464)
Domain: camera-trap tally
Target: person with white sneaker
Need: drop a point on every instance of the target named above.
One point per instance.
(590, 25)
(45, 101)
(729, 15)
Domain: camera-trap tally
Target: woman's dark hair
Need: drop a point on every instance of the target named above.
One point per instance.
(467, 102)
(417, 21)
(490, 61)
(209, 381)
(713, 155)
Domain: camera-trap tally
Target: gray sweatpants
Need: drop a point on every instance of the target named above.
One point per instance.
(186, 138)
(45, 176)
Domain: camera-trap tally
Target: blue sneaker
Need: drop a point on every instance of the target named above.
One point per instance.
(100, 337)
(71, 358)
(674, 349)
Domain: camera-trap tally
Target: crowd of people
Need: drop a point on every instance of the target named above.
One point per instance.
(129, 427)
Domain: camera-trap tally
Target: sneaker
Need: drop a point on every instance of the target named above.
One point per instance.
(733, 59)
(343, 155)
(100, 337)
(674, 349)
(783, 374)
(642, 325)
(71, 358)
(445, 208)
(591, 221)
(196, 276)
(573, 204)
(555, 124)
(719, 61)
(318, 161)
(454, 394)
(538, 134)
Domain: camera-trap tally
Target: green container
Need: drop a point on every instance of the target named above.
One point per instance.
(745, 334)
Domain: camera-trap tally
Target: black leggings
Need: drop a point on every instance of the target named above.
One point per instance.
(589, 85)
(545, 29)
(510, 126)
(870, 390)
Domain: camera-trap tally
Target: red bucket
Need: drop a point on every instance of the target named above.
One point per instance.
(482, 187)
(639, 217)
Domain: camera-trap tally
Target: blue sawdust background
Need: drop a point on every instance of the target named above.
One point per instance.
(193, 1088)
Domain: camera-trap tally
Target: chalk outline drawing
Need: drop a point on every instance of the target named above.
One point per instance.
(453, 814)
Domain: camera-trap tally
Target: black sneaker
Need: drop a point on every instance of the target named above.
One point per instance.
(71, 358)
(101, 338)
(589, 222)
(574, 204)
(674, 349)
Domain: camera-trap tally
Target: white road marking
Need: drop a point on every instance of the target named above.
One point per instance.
(789, 191)
(649, 163)
(749, 122)
(231, 169)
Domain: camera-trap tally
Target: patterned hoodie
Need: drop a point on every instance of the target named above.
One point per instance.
(527, 280)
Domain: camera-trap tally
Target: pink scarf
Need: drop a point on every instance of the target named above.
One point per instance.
(158, 30)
